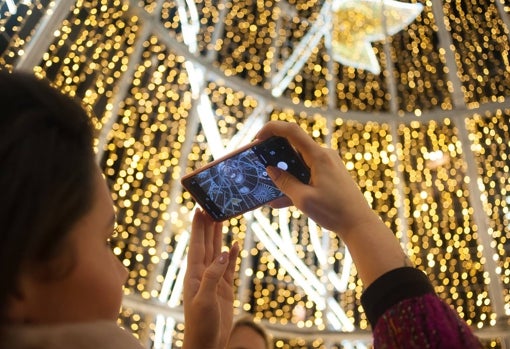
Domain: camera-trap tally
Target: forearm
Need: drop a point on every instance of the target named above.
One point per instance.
(373, 247)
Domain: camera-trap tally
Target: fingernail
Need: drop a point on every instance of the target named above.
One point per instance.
(273, 172)
(223, 257)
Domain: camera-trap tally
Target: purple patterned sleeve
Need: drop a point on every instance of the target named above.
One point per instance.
(406, 313)
(423, 322)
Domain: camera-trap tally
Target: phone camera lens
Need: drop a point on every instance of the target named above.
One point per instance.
(282, 165)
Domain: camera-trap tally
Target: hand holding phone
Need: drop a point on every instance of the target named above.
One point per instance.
(238, 182)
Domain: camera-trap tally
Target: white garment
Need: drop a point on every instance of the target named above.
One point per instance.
(91, 335)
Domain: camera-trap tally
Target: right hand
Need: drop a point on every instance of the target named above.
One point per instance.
(332, 198)
(334, 201)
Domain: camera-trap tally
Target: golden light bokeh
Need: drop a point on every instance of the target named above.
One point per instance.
(427, 139)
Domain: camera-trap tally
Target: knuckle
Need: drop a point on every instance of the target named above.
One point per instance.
(294, 127)
(324, 155)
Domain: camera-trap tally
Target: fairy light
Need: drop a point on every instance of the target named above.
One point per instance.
(144, 157)
(490, 135)
(17, 26)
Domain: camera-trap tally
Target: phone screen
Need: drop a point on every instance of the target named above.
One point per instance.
(239, 182)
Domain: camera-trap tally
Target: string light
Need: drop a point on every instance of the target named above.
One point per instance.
(413, 173)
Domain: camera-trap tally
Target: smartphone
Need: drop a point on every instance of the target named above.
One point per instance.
(238, 182)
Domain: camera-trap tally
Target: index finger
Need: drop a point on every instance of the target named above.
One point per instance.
(299, 139)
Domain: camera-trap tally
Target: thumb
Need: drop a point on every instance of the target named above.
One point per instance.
(286, 182)
(213, 274)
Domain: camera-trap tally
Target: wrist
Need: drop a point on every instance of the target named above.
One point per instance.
(358, 224)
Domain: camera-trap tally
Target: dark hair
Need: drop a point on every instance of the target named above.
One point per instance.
(247, 321)
(46, 159)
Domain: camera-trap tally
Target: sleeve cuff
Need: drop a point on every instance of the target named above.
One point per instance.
(391, 288)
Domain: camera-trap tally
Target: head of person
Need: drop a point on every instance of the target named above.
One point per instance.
(247, 334)
(56, 213)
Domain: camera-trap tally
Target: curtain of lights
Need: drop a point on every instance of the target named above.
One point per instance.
(173, 84)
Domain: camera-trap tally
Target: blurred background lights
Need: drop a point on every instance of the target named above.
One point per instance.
(414, 95)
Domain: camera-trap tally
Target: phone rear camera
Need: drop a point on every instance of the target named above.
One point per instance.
(282, 165)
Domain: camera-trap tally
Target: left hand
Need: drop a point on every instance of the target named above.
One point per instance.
(208, 286)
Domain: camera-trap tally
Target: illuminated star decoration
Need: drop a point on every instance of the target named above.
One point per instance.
(357, 23)
(348, 28)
